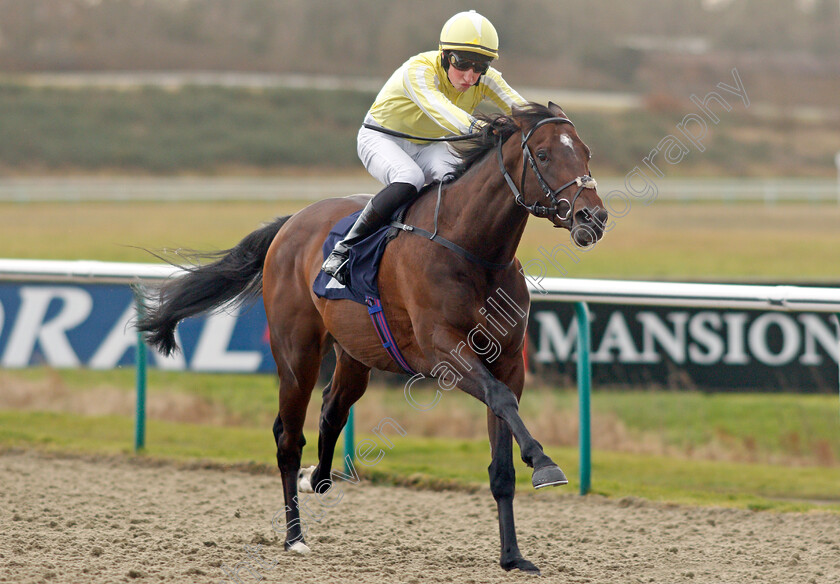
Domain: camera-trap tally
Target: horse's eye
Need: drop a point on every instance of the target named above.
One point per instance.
(542, 156)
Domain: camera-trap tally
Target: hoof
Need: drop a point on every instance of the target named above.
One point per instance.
(299, 548)
(548, 476)
(305, 480)
(521, 564)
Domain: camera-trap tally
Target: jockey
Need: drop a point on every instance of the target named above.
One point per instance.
(431, 95)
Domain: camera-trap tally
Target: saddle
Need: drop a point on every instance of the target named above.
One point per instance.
(363, 269)
(363, 265)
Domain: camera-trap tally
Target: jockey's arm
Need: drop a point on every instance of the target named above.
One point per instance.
(420, 82)
(499, 92)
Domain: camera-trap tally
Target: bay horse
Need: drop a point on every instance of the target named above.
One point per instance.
(432, 298)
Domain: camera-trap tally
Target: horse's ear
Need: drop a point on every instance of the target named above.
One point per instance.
(556, 109)
(516, 116)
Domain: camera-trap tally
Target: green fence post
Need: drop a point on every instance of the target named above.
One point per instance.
(140, 412)
(349, 447)
(837, 326)
(584, 379)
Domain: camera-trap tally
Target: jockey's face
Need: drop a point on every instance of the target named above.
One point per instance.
(462, 80)
(465, 68)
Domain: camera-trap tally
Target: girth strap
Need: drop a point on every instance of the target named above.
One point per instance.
(445, 242)
(383, 331)
(448, 244)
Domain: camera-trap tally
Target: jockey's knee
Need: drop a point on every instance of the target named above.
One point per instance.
(413, 176)
(440, 171)
(392, 197)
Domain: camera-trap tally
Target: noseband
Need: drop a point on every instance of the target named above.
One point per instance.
(582, 182)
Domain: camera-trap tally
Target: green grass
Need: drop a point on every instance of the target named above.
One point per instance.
(619, 475)
(205, 129)
(118, 231)
(773, 425)
(760, 451)
(152, 130)
(250, 398)
(673, 241)
(438, 462)
(758, 427)
(60, 432)
(804, 429)
(704, 241)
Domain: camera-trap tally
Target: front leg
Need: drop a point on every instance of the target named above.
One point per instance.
(502, 401)
(503, 485)
(500, 391)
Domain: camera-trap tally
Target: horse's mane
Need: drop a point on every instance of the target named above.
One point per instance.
(471, 151)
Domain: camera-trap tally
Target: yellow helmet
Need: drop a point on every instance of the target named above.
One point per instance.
(469, 31)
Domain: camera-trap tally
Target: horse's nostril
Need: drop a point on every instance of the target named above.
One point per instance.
(601, 216)
(584, 215)
(586, 234)
(589, 215)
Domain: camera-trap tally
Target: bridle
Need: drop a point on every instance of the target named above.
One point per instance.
(582, 182)
(567, 220)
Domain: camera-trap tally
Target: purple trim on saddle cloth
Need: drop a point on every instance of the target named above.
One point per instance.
(384, 333)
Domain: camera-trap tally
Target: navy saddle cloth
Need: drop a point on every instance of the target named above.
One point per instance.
(363, 264)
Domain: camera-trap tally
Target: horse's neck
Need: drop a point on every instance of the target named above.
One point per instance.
(479, 213)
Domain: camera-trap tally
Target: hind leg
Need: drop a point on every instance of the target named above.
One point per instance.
(349, 383)
(298, 372)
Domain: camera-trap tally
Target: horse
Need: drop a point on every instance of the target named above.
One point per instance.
(433, 298)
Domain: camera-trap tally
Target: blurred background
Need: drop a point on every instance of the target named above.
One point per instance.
(132, 124)
(229, 86)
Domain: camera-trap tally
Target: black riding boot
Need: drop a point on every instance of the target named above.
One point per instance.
(336, 263)
(378, 210)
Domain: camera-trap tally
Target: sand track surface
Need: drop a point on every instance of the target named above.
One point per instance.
(92, 520)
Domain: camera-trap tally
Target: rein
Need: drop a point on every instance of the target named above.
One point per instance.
(583, 182)
(396, 134)
(422, 232)
(445, 242)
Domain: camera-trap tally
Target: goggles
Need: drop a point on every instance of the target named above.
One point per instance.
(463, 64)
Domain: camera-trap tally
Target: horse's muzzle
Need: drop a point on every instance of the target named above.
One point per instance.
(589, 226)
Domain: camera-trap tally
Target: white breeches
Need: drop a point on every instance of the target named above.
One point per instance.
(389, 159)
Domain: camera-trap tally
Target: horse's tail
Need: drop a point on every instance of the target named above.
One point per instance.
(235, 275)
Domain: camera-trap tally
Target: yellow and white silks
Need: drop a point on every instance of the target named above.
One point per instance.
(419, 100)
